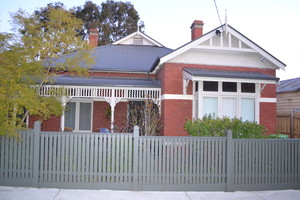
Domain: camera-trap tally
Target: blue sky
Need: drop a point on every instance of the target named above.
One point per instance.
(272, 24)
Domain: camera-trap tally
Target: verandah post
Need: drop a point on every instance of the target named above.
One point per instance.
(135, 158)
(229, 162)
(36, 153)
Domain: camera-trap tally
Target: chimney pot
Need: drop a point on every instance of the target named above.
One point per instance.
(197, 29)
(93, 37)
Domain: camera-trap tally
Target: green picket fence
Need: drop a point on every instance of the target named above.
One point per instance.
(131, 162)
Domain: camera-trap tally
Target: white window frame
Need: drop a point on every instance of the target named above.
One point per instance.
(220, 95)
(77, 114)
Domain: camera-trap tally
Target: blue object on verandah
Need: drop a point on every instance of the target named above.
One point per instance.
(104, 130)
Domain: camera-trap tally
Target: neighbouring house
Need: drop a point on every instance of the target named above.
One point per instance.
(221, 72)
(288, 95)
(288, 107)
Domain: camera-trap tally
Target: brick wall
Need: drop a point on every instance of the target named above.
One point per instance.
(175, 112)
(52, 124)
(174, 115)
(268, 116)
(101, 115)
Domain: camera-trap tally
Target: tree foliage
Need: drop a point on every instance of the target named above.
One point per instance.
(114, 19)
(90, 13)
(30, 58)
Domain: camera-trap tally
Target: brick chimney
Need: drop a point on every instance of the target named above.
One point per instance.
(93, 37)
(197, 29)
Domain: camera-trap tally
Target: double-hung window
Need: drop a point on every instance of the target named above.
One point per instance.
(226, 99)
(78, 116)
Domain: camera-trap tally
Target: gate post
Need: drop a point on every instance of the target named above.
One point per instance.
(36, 153)
(135, 158)
(229, 162)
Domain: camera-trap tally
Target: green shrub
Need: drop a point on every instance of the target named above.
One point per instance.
(209, 126)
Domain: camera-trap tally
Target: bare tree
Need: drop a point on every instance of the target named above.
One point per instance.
(146, 115)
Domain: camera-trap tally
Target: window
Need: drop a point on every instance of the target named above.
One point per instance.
(229, 107)
(226, 99)
(85, 116)
(248, 87)
(248, 109)
(210, 106)
(78, 116)
(210, 86)
(229, 87)
(70, 114)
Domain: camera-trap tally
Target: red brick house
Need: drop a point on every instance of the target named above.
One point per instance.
(222, 73)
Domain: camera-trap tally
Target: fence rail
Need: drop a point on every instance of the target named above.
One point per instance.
(133, 162)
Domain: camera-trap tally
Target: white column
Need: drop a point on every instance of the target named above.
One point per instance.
(62, 118)
(112, 102)
(194, 101)
(112, 116)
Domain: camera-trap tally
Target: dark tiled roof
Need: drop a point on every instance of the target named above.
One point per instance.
(106, 81)
(133, 58)
(290, 85)
(229, 74)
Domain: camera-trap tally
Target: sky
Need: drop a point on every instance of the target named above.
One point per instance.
(272, 24)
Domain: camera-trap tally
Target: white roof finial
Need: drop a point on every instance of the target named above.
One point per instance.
(226, 24)
(138, 28)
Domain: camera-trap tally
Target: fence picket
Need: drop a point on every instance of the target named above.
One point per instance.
(148, 163)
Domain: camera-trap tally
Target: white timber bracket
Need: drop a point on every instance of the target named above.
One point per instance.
(112, 102)
(262, 88)
(185, 85)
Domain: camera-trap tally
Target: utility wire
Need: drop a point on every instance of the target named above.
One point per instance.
(218, 12)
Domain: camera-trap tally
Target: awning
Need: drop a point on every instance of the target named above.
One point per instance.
(230, 76)
(106, 82)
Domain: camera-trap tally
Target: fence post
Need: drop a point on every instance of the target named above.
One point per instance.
(36, 153)
(292, 124)
(229, 162)
(135, 158)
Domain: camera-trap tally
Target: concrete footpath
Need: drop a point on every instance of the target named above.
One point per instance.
(22, 193)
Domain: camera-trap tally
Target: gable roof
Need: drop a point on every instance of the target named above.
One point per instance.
(250, 47)
(290, 85)
(150, 41)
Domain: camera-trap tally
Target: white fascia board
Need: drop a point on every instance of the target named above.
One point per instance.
(182, 49)
(140, 34)
(151, 40)
(125, 38)
(256, 48)
(222, 79)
